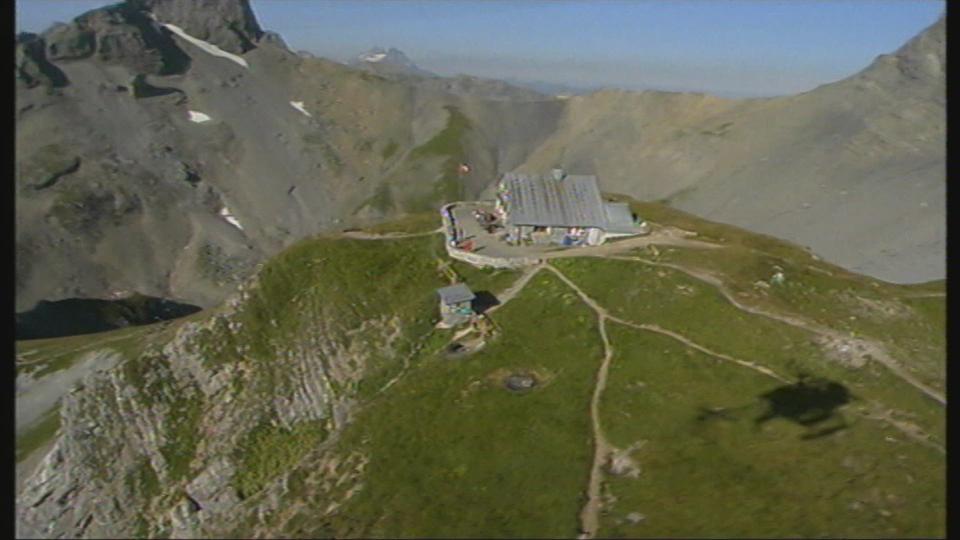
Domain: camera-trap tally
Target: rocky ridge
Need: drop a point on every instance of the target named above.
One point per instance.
(174, 423)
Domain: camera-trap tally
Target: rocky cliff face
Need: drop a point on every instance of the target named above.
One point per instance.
(228, 24)
(168, 165)
(32, 67)
(202, 433)
(118, 35)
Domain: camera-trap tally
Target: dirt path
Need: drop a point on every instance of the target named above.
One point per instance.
(926, 295)
(669, 236)
(590, 514)
(682, 339)
(363, 235)
(876, 350)
(517, 286)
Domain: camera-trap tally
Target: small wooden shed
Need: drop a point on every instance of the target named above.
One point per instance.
(456, 304)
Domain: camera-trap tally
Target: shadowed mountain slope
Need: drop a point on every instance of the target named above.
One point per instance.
(161, 154)
(167, 147)
(854, 169)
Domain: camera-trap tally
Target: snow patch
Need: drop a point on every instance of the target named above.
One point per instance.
(298, 105)
(198, 117)
(225, 213)
(373, 57)
(209, 47)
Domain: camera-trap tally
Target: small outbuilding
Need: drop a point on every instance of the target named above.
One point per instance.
(456, 304)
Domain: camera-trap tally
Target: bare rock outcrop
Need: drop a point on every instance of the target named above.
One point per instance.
(32, 66)
(174, 424)
(228, 24)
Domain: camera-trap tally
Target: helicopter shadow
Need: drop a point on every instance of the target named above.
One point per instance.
(812, 402)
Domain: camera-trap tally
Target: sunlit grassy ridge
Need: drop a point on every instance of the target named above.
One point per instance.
(38, 435)
(439, 447)
(41, 357)
(677, 302)
(453, 453)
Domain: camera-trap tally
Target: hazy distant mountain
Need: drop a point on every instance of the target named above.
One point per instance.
(394, 64)
(855, 169)
(552, 89)
(389, 61)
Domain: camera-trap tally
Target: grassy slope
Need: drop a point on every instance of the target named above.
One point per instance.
(735, 473)
(38, 434)
(818, 290)
(413, 223)
(449, 145)
(730, 477)
(452, 453)
(346, 281)
(652, 295)
(849, 303)
(455, 454)
(41, 357)
(447, 148)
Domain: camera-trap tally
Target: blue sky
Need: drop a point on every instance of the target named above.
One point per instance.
(726, 47)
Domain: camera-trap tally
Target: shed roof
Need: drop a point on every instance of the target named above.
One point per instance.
(619, 217)
(454, 294)
(539, 200)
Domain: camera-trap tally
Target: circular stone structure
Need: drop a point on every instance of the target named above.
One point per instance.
(520, 382)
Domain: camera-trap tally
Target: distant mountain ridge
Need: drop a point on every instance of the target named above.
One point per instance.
(350, 144)
(552, 88)
(389, 61)
(854, 169)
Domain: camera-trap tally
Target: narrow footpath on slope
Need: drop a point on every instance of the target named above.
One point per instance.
(589, 515)
(517, 286)
(876, 350)
(363, 235)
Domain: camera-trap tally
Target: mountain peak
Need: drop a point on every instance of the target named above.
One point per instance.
(388, 56)
(228, 24)
(389, 60)
(920, 60)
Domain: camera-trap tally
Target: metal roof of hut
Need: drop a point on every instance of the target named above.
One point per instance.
(455, 294)
(548, 201)
(619, 217)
